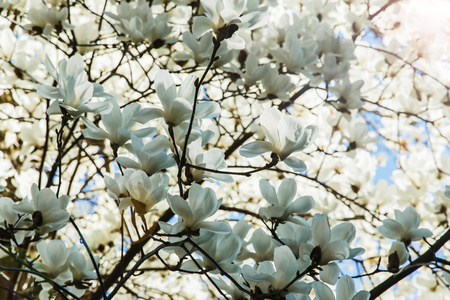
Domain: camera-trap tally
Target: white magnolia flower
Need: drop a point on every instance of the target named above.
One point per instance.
(138, 24)
(283, 204)
(224, 18)
(223, 249)
(200, 205)
(48, 212)
(296, 53)
(81, 267)
(117, 124)
(177, 103)
(263, 246)
(145, 192)
(212, 159)
(200, 50)
(44, 19)
(85, 34)
(405, 227)
(327, 246)
(276, 86)
(54, 256)
(348, 94)
(152, 156)
(73, 88)
(115, 187)
(267, 278)
(358, 137)
(345, 290)
(253, 71)
(285, 135)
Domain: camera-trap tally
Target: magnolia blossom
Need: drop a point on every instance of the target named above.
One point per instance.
(345, 290)
(285, 135)
(405, 227)
(283, 204)
(44, 19)
(253, 71)
(177, 103)
(117, 124)
(276, 86)
(267, 278)
(224, 18)
(212, 159)
(73, 88)
(54, 256)
(48, 212)
(328, 245)
(200, 50)
(200, 205)
(152, 156)
(145, 192)
(223, 250)
(138, 24)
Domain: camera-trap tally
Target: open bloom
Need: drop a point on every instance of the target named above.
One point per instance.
(405, 227)
(283, 204)
(328, 245)
(200, 205)
(144, 191)
(267, 278)
(117, 124)
(212, 159)
(177, 103)
(224, 18)
(54, 256)
(48, 212)
(138, 24)
(285, 135)
(223, 249)
(345, 290)
(73, 88)
(152, 156)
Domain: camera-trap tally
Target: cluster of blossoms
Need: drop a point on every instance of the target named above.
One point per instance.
(206, 103)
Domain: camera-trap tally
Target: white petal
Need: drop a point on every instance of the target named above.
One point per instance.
(255, 148)
(287, 191)
(201, 26)
(320, 230)
(322, 291)
(391, 229)
(268, 192)
(329, 273)
(286, 266)
(345, 288)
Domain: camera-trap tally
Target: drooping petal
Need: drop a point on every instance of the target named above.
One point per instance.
(255, 148)
(295, 163)
(391, 229)
(218, 227)
(49, 92)
(148, 114)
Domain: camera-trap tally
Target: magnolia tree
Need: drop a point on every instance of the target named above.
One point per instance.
(226, 149)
